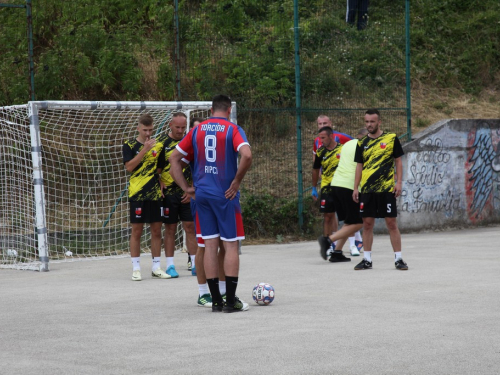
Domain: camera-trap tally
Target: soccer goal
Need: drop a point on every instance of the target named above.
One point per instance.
(63, 185)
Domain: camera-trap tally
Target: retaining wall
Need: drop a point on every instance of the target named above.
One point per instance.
(451, 177)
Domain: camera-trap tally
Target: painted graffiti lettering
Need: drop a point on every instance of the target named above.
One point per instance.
(435, 155)
(447, 201)
(429, 175)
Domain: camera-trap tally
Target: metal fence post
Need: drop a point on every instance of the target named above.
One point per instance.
(408, 83)
(298, 109)
(29, 20)
(177, 56)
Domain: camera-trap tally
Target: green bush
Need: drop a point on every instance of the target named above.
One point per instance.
(270, 216)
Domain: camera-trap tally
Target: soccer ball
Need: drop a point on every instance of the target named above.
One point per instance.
(263, 294)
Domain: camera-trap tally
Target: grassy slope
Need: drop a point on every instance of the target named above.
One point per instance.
(120, 52)
(455, 60)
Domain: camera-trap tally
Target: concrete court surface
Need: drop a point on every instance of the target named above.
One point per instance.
(440, 317)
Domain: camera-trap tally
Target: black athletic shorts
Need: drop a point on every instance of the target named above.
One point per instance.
(377, 205)
(347, 209)
(145, 211)
(175, 211)
(327, 205)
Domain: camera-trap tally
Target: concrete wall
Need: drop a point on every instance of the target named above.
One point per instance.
(451, 177)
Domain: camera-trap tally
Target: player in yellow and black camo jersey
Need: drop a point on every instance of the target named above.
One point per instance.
(377, 154)
(176, 204)
(143, 181)
(168, 183)
(143, 157)
(327, 159)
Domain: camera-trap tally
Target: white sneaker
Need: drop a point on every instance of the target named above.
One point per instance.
(245, 305)
(354, 251)
(136, 276)
(160, 274)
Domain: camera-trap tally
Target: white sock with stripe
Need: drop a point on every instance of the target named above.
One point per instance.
(203, 289)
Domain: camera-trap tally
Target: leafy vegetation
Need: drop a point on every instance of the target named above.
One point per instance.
(126, 50)
(456, 44)
(269, 216)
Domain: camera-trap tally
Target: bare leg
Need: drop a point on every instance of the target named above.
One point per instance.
(395, 235)
(345, 232)
(199, 265)
(330, 223)
(368, 224)
(190, 237)
(169, 239)
(340, 243)
(232, 259)
(156, 239)
(135, 239)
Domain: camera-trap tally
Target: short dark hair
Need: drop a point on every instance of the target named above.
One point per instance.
(326, 129)
(372, 111)
(177, 114)
(221, 102)
(146, 119)
(195, 119)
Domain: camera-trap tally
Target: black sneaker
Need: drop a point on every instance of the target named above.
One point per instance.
(339, 257)
(364, 265)
(324, 245)
(239, 305)
(189, 263)
(401, 265)
(217, 307)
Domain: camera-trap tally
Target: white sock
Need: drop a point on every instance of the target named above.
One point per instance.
(351, 241)
(203, 289)
(192, 261)
(367, 255)
(136, 263)
(222, 287)
(358, 237)
(170, 261)
(397, 255)
(156, 263)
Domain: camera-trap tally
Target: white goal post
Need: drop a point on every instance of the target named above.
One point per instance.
(63, 185)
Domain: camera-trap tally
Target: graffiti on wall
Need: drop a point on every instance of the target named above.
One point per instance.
(427, 187)
(482, 172)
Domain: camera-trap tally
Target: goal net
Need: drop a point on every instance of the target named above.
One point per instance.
(63, 185)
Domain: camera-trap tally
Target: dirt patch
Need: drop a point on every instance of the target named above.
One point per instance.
(430, 105)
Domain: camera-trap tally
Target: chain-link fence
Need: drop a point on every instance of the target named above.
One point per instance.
(283, 62)
(344, 68)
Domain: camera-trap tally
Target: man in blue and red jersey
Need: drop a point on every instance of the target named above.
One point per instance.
(323, 121)
(214, 145)
(339, 138)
